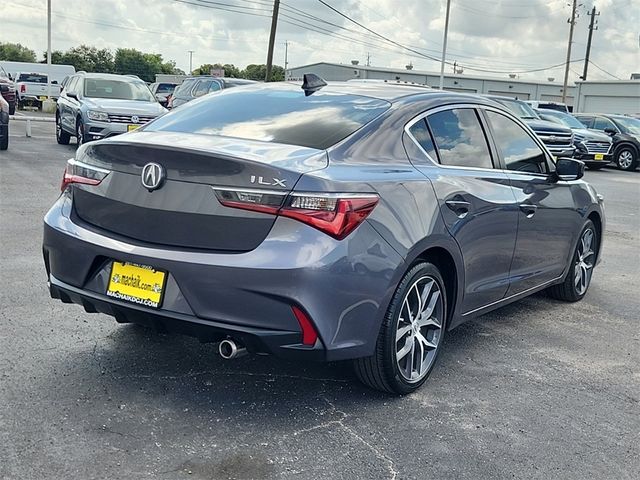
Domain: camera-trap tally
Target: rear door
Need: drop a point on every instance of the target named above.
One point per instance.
(476, 199)
(547, 217)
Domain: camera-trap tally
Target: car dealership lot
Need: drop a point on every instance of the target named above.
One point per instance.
(538, 389)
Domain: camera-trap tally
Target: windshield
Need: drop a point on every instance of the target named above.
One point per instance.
(518, 108)
(630, 124)
(564, 118)
(117, 89)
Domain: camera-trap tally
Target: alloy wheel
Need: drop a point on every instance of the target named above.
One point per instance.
(584, 262)
(80, 134)
(419, 328)
(625, 159)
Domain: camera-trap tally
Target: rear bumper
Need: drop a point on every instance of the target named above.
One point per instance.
(344, 286)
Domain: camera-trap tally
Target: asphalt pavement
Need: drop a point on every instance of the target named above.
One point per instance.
(539, 389)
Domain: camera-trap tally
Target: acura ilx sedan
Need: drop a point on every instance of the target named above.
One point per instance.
(328, 222)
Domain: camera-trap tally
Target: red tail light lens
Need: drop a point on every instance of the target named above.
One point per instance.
(23, 88)
(336, 214)
(82, 173)
(309, 334)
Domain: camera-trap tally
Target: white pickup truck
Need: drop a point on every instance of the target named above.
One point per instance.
(32, 88)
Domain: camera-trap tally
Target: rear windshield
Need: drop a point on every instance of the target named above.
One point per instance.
(32, 77)
(166, 87)
(274, 113)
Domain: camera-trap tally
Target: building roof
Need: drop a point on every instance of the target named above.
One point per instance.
(424, 72)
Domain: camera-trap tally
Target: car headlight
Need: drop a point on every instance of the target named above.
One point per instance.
(99, 116)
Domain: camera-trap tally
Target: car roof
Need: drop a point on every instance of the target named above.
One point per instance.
(110, 76)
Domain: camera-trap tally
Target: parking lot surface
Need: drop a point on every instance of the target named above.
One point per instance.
(538, 389)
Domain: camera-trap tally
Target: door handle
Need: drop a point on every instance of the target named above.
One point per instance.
(528, 209)
(459, 207)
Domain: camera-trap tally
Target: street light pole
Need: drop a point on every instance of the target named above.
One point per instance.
(190, 61)
(444, 44)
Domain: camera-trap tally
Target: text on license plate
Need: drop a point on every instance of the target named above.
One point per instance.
(135, 283)
(599, 156)
(132, 127)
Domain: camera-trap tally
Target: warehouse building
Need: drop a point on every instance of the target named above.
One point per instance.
(615, 96)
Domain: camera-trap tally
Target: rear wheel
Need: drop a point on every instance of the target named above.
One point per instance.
(410, 336)
(578, 277)
(627, 158)
(4, 137)
(62, 137)
(12, 108)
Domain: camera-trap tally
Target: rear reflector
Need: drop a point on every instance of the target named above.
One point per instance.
(309, 334)
(336, 214)
(82, 173)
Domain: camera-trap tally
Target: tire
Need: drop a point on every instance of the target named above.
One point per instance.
(626, 158)
(80, 136)
(391, 369)
(570, 290)
(62, 136)
(4, 137)
(12, 108)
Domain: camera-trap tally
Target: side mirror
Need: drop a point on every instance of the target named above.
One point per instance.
(4, 87)
(72, 95)
(610, 131)
(569, 169)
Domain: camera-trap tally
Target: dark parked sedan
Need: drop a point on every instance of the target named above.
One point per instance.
(332, 222)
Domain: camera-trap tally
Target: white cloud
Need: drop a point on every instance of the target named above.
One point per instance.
(500, 35)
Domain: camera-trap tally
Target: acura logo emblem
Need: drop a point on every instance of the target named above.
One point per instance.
(134, 119)
(152, 176)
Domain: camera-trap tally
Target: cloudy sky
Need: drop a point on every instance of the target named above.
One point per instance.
(487, 37)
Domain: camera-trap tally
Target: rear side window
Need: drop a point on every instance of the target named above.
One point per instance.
(519, 150)
(586, 121)
(420, 132)
(460, 139)
(601, 123)
(214, 87)
(202, 88)
(275, 113)
(184, 86)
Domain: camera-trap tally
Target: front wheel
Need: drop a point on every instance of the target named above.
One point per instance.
(578, 277)
(627, 158)
(62, 137)
(410, 336)
(80, 135)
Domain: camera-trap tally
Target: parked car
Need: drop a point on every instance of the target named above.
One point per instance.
(8, 93)
(557, 138)
(545, 105)
(332, 222)
(593, 148)
(33, 89)
(625, 132)
(162, 90)
(195, 87)
(99, 105)
(4, 119)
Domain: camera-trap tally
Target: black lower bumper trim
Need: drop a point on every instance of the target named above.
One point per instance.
(284, 344)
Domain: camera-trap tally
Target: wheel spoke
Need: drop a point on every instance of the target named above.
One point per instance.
(402, 332)
(419, 298)
(423, 341)
(429, 322)
(405, 349)
(426, 291)
(420, 364)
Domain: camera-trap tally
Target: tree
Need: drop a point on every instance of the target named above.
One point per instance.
(84, 57)
(15, 52)
(230, 70)
(129, 61)
(258, 72)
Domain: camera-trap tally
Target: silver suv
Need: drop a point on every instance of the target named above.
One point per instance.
(98, 105)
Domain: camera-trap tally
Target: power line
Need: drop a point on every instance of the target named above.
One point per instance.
(604, 71)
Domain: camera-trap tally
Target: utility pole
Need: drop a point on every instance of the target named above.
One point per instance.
(286, 58)
(572, 22)
(368, 59)
(272, 39)
(190, 61)
(49, 49)
(592, 27)
(444, 43)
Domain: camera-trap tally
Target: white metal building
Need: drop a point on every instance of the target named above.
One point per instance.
(510, 87)
(615, 96)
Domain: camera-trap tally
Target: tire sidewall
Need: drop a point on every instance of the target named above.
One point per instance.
(574, 258)
(399, 383)
(634, 158)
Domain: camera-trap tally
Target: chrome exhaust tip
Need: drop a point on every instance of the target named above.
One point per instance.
(229, 349)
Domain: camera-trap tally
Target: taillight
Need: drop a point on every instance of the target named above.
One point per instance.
(82, 173)
(23, 88)
(336, 214)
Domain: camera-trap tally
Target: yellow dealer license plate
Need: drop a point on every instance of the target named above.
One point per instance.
(599, 156)
(135, 283)
(130, 128)
(42, 98)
